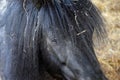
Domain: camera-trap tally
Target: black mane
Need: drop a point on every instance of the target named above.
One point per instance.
(50, 39)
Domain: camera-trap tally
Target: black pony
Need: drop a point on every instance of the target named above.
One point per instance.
(49, 40)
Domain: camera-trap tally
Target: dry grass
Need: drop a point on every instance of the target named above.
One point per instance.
(109, 53)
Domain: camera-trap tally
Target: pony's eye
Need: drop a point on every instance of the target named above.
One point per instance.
(54, 40)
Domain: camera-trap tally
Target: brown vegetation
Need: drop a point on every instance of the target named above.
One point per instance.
(109, 53)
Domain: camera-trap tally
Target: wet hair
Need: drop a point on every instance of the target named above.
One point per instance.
(50, 39)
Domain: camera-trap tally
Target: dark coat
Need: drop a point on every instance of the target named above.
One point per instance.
(49, 39)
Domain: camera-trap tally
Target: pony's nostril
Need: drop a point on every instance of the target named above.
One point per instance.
(63, 63)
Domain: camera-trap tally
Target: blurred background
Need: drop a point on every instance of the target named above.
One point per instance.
(109, 53)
